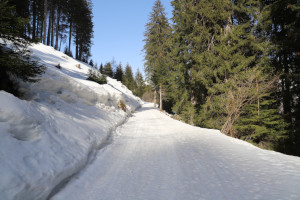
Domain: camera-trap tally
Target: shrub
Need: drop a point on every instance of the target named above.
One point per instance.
(96, 77)
(16, 66)
(15, 61)
(122, 105)
(58, 66)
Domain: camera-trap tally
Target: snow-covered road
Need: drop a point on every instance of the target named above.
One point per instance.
(155, 157)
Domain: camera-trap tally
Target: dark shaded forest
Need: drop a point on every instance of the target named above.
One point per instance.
(57, 22)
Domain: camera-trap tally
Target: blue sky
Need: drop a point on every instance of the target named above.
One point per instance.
(119, 27)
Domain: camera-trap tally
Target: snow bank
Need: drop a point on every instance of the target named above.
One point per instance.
(51, 135)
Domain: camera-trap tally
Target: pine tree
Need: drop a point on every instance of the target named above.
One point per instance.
(45, 22)
(238, 50)
(15, 64)
(156, 48)
(22, 10)
(83, 28)
(140, 83)
(128, 79)
(91, 63)
(107, 70)
(264, 127)
(219, 54)
(119, 73)
(197, 26)
(52, 18)
(101, 70)
(282, 22)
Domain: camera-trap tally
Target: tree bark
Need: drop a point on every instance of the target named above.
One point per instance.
(45, 20)
(70, 36)
(49, 30)
(287, 96)
(76, 51)
(154, 99)
(52, 24)
(80, 51)
(57, 26)
(160, 97)
(257, 90)
(33, 19)
(228, 25)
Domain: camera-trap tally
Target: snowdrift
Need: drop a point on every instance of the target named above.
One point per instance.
(53, 133)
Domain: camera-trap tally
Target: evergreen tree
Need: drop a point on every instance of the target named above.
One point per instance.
(264, 126)
(91, 63)
(119, 73)
(239, 49)
(101, 70)
(282, 22)
(22, 10)
(140, 83)
(107, 70)
(14, 64)
(156, 48)
(51, 18)
(128, 79)
(95, 76)
(197, 26)
(83, 25)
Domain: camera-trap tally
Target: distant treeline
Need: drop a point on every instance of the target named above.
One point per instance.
(134, 82)
(230, 65)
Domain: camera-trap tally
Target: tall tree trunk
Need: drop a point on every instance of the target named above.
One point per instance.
(76, 52)
(80, 51)
(287, 97)
(33, 19)
(45, 20)
(60, 43)
(49, 31)
(52, 24)
(154, 98)
(37, 29)
(57, 26)
(228, 25)
(28, 30)
(160, 97)
(41, 32)
(70, 36)
(258, 100)
(39, 23)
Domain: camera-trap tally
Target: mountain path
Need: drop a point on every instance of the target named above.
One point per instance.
(152, 156)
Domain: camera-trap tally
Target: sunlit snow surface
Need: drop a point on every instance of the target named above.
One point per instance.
(59, 134)
(155, 157)
(51, 135)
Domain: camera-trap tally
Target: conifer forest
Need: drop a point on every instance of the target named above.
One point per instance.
(231, 65)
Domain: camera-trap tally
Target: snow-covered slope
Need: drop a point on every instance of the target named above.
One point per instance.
(54, 132)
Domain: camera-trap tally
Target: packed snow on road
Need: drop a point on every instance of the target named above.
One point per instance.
(155, 157)
(69, 140)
